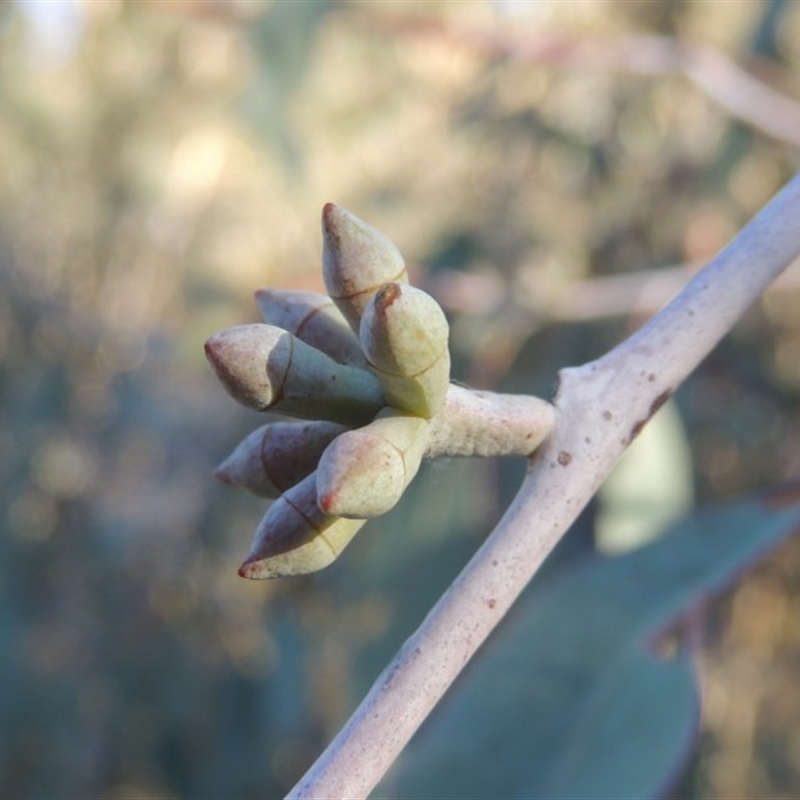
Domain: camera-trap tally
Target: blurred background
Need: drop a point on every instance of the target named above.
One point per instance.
(552, 171)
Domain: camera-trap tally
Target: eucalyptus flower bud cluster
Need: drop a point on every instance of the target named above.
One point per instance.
(365, 372)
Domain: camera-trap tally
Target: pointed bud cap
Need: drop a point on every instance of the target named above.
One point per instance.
(277, 456)
(357, 260)
(266, 368)
(295, 537)
(364, 472)
(404, 335)
(314, 319)
(241, 356)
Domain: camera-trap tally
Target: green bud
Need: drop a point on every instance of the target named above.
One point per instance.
(295, 537)
(357, 260)
(276, 456)
(364, 472)
(314, 319)
(404, 336)
(266, 368)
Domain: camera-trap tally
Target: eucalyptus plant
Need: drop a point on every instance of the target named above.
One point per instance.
(369, 365)
(367, 369)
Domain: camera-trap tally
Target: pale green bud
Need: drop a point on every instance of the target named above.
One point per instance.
(404, 336)
(364, 472)
(357, 260)
(295, 537)
(314, 319)
(276, 456)
(266, 368)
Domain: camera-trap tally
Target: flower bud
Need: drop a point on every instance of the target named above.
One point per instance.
(357, 260)
(364, 472)
(404, 336)
(295, 537)
(314, 319)
(266, 368)
(276, 456)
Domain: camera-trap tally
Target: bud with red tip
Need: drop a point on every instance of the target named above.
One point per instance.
(296, 537)
(314, 319)
(393, 379)
(404, 336)
(275, 457)
(364, 472)
(266, 368)
(357, 260)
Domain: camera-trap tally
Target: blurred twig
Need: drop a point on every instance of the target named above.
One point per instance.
(633, 293)
(512, 315)
(732, 87)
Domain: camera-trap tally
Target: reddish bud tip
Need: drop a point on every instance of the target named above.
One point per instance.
(222, 476)
(326, 502)
(239, 356)
(248, 570)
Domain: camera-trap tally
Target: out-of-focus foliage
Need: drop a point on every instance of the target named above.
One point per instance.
(161, 160)
(651, 486)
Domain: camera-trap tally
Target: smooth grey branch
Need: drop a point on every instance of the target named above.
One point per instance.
(600, 408)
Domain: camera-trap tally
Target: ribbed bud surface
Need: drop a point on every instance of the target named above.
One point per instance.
(240, 356)
(364, 472)
(357, 260)
(266, 368)
(380, 400)
(404, 335)
(276, 456)
(296, 537)
(314, 319)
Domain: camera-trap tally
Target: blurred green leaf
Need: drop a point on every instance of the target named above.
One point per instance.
(651, 486)
(573, 700)
(283, 42)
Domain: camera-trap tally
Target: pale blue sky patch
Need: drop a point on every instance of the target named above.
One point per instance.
(54, 29)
